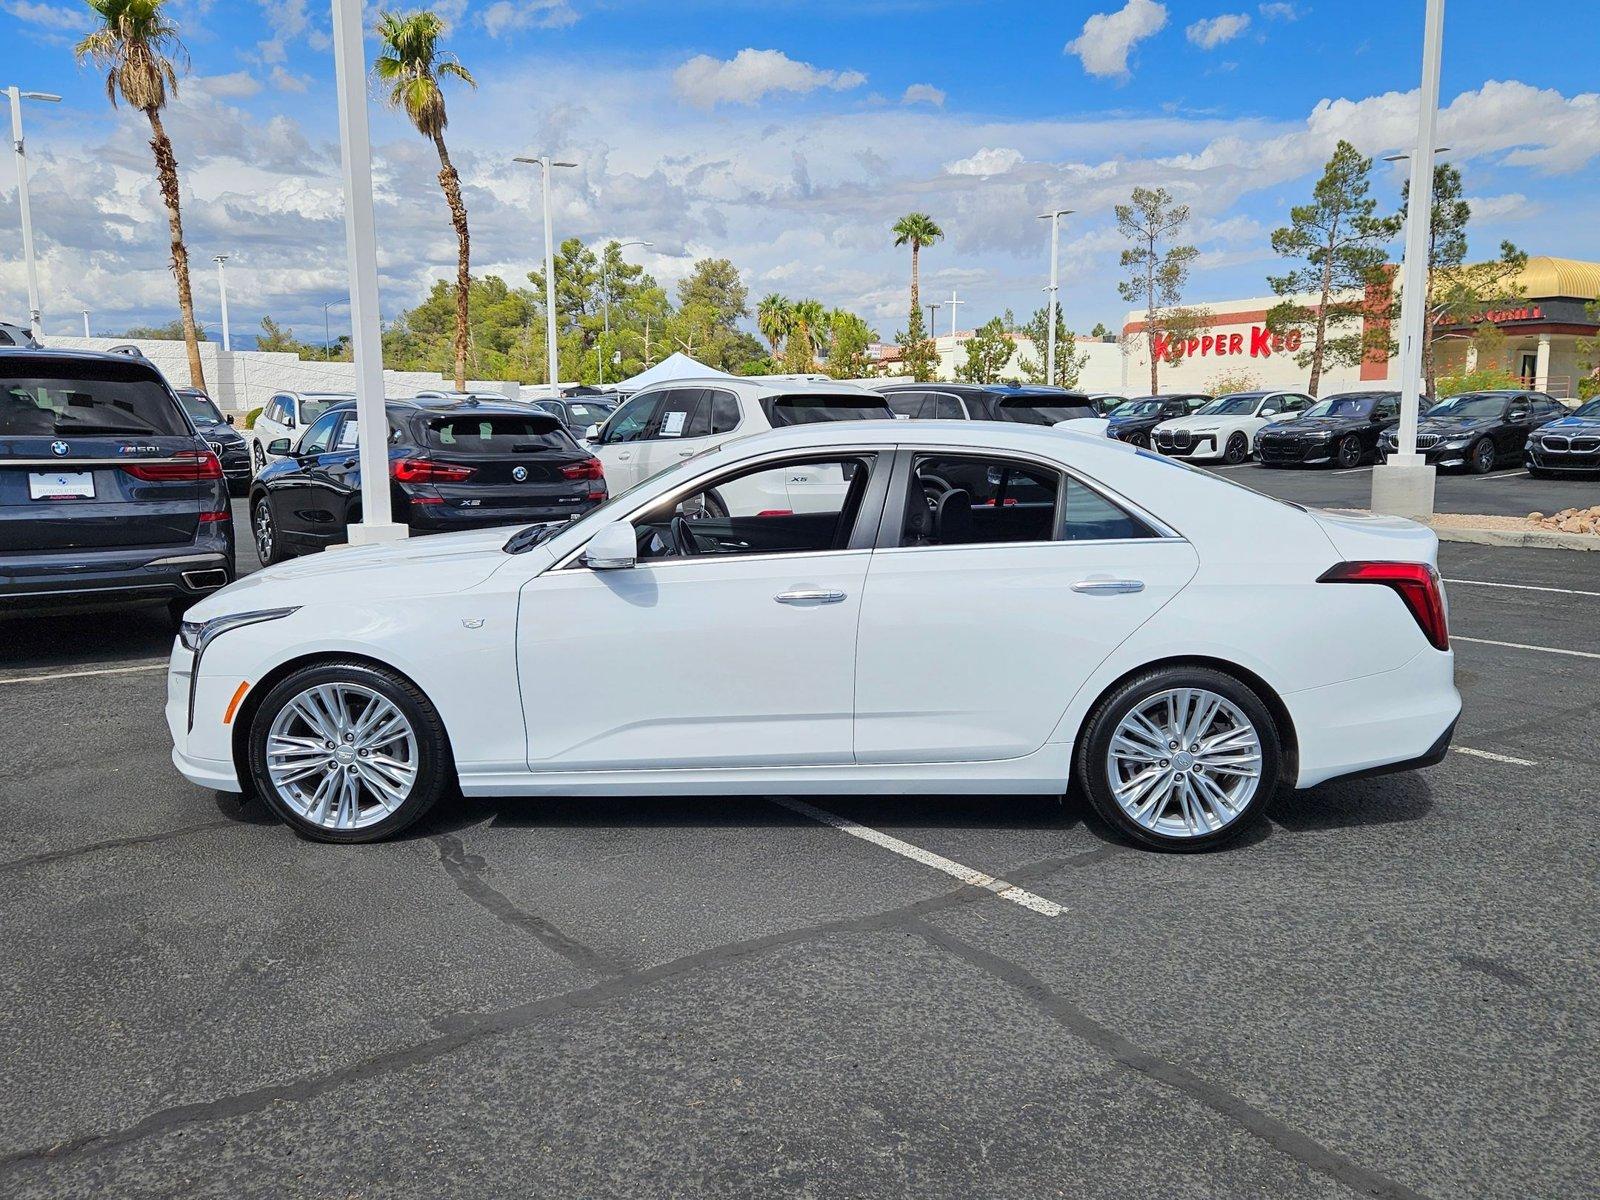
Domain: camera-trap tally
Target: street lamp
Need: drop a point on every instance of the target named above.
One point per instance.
(545, 163)
(222, 288)
(85, 313)
(605, 302)
(377, 522)
(17, 96)
(1403, 486)
(1054, 217)
(327, 335)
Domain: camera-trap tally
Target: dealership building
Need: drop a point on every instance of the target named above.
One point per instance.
(1231, 341)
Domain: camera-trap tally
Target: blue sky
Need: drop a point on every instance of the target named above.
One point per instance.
(788, 136)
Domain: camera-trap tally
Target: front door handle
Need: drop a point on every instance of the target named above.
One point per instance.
(1109, 587)
(809, 596)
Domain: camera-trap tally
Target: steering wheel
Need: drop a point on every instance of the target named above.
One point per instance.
(683, 537)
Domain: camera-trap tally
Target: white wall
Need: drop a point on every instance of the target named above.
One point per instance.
(239, 380)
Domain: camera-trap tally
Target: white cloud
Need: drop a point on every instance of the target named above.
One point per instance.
(923, 93)
(1107, 38)
(1511, 204)
(48, 16)
(288, 81)
(1210, 32)
(745, 78)
(234, 86)
(504, 16)
(988, 161)
(1280, 11)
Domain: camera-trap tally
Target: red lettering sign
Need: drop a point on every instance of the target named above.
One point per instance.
(1260, 342)
(1263, 344)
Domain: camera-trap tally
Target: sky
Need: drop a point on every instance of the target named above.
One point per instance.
(788, 137)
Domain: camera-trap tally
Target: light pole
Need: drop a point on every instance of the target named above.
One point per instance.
(86, 332)
(545, 163)
(933, 311)
(1054, 217)
(327, 334)
(1403, 486)
(361, 251)
(605, 303)
(222, 289)
(17, 96)
(953, 302)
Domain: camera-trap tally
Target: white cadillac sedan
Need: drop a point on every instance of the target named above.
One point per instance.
(988, 608)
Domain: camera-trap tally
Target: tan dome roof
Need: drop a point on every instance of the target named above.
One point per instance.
(1544, 277)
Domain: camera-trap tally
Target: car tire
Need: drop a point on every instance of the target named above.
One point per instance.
(1237, 450)
(1481, 457)
(390, 761)
(1347, 453)
(258, 457)
(1166, 811)
(264, 531)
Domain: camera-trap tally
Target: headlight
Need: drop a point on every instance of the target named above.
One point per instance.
(197, 635)
(1460, 440)
(1212, 429)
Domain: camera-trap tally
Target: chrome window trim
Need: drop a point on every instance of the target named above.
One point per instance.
(703, 559)
(1031, 545)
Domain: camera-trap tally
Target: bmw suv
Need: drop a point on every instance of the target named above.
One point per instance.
(107, 494)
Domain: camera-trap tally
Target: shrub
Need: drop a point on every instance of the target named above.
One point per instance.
(250, 417)
(1231, 381)
(1485, 379)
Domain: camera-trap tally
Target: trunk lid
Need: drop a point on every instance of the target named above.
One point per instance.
(1359, 537)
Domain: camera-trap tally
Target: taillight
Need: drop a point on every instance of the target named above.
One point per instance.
(589, 468)
(423, 470)
(1417, 584)
(189, 466)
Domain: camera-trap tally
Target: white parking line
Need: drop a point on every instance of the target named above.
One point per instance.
(1006, 891)
(151, 666)
(1510, 475)
(1489, 754)
(1352, 471)
(1456, 637)
(1522, 587)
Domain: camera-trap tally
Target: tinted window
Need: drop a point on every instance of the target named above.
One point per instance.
(968, 500)
(1471, 406)
(629, 423)
(676, 416)
(84, 399)
(584, 415)
(812, 408)
(1091, 517)
(1342, 406)
(310, 410)
(1037, 410)
(948, 408)
(495, 433)
(724, 412)
(349, 434)
(319, 435)
(1591, 409)
(201, 411)
(907, 404)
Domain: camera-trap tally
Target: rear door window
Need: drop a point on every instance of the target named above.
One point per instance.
(677, 411)
(810, 408)
(724, 412)
(1090, 517)
(496, 433)
(911, 405)
(958, 500)
(41, 398)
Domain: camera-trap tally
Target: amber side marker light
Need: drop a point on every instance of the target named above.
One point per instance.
(233, 705)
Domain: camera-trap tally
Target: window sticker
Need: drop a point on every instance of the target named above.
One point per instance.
(672, 424)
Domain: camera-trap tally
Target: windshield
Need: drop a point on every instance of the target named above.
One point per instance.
(1032, 410)
(1469, 406)
(201, 411)
(310, 410)
(84, 399)
(586, 414)
(1230, 406)
(1590, 410)
(1342, 406)
(1137, 408)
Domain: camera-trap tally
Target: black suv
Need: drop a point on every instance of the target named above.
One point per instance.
(986, 402)
(1134, 420)
(1480, 430)
(225, 441)
(453, 465)
(107, 494)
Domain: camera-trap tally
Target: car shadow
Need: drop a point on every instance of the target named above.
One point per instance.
(1351, 803)
(59, 641)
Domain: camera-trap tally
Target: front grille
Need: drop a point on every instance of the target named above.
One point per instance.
(1585, 445)
(1426, 441)
(216, 448)
(1280, 452)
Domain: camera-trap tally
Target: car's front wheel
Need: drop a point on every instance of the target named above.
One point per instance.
(258, 456)
(1237, 450)
(348, 752)
(1180, 758)
(1348, 452)
(1480, 459)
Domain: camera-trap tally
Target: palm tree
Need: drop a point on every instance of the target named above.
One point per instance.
(811, 327)
(916, 230)
(775, 320)
(136, 46)
(411, 64)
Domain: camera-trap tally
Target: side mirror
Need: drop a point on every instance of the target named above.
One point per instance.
(228, 418)
(278, 446)
(614, 548)
(1518, 414)
(592, 434)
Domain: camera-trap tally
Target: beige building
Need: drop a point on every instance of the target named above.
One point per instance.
(1232, 342)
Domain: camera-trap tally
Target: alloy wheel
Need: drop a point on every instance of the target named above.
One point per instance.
(1349, 452)
(1483, 457)
(264, 531)
(1238, 449)
(342, 756)
(259, 457)
(1184, 763)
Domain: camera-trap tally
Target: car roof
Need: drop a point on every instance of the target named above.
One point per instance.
(448, 406)
(977, 435)
(755, 388)
(33, 354)
(994, 389)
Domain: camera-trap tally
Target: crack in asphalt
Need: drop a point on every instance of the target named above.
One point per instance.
(1284, 1138)
(467, 872)
(143, 839)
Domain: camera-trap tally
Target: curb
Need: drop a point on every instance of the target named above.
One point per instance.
(1531, 539)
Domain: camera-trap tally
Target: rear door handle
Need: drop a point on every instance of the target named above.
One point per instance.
(809, 596)
(1109, 587)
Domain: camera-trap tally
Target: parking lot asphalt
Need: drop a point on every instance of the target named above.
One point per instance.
(1389, 990)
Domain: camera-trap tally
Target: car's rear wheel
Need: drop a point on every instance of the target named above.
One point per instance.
(348, 752)
(1348, 451)
(1180, 758)
(1480, 459)
(269, 548)
(1237, 450)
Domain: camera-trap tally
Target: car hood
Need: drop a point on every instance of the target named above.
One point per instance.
(1196, 421)
(1455, 426)
(1316, 425)
(1590, 425)
(424, 566)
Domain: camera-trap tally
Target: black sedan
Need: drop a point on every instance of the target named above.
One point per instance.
(226, 442)
(453, 465)
(1569, 443)
(1134, 420)
(1019, 403)
(1344, 430)
(1480, 430)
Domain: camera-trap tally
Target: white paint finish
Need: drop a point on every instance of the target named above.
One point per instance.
(1006, 891)
(1523, 646)
(971, 652)
(1520, 587)
(1268, 410)
(54, 675)
(1493, 757)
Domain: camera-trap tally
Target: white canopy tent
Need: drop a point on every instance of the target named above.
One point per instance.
(674, 366)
